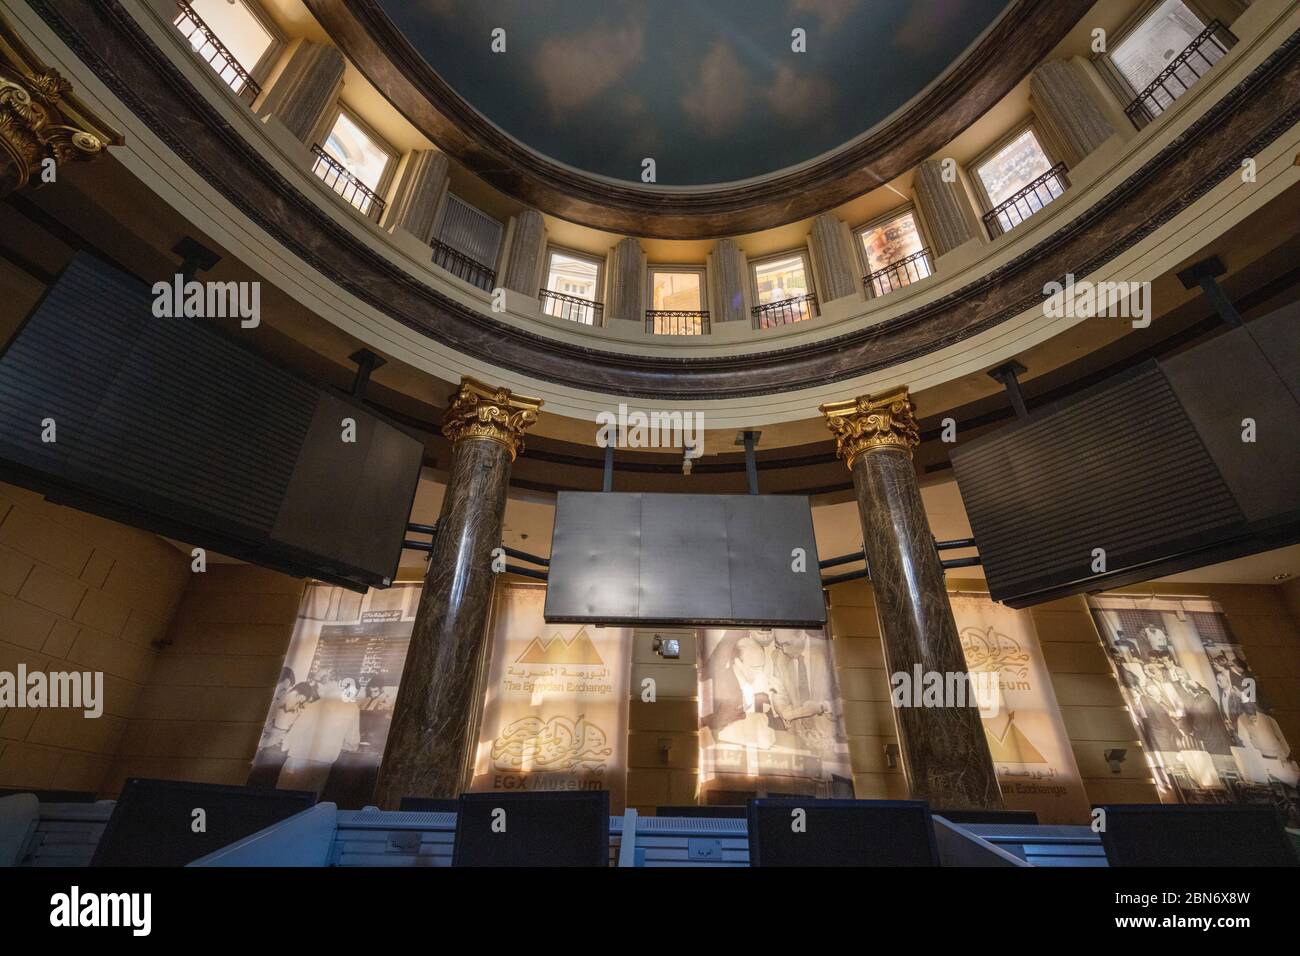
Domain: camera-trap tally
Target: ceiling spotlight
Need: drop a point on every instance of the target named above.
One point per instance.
(1284, 576)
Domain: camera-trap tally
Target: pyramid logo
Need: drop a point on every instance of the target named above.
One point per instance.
(578, 650)
(1011, 745)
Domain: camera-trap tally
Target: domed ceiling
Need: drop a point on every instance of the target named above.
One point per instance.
(710, 89)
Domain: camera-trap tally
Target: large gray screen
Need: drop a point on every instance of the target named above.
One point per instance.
(684, 559)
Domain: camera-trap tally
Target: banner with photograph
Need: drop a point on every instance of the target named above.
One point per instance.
(556, 709)
(1195, 703)
(1027, 739)
(771, 719)
(333, 704)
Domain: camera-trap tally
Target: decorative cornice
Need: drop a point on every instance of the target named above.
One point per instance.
(886, 420)
(481, 411)
(1020, 39)
(39, 120)
(1243, 121)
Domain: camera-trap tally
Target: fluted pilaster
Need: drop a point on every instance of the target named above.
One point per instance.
(306, 89)
(730, 278)
(527, 245)
(626, 268)
(832, 249)
(1067, 104)
(420, 186)
(948, 213)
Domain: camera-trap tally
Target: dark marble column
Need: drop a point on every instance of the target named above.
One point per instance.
(428, 744)
(945, 754)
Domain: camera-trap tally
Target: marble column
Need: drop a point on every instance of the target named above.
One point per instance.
(945, 754)
(838, 273)
(428, 748)
(420, 186)
(40, 129)
(1067, 104)
(306, 89)
(626, 267)
(949, 217)
(730, 280)
(527, 246)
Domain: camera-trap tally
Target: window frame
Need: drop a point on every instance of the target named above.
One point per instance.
(972, 168)
(896, 213)
(260, 70)
(806, 259)
(394, 158)
(599, 261)
(701, 271)
(1115, 78)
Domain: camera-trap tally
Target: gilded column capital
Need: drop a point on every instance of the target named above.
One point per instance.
(39, 120)
(884, 420)
(481, 411)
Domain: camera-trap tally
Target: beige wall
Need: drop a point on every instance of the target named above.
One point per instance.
(864, 687)
(1263, 618)
(77, 593)
(201, 712)
(189, 660)
(663, 746)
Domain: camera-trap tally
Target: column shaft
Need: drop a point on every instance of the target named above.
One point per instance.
(428, 745)
(945, 753)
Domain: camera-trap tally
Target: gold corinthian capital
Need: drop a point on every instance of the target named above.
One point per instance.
(884, 420)
(39, 119)
(480, 411)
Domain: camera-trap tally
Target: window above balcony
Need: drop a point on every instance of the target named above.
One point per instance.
(232, 37)
(893, 252)
(677, 301)
(1017, 179)
(572, 287)
(783, 291)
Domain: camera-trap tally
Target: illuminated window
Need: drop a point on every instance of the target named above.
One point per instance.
(674, 290)
(572, 287)
(1158, 43)
(894, 252)
(353, 163)
(1018, 179)
(230, 38)
(677, 302)
(783, 290)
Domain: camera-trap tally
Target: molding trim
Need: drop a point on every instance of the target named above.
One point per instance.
(1243, 122)
(1017, 42)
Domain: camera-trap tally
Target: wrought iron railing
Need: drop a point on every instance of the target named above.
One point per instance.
(213, 52)
(1010, 213)
(462, 266)
(897, 274)
(676, 322)
(1179, 76)
(571, 307)
(337, 178)
(785, 311)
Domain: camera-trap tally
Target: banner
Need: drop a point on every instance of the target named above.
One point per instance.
(1195, 703)
(1027, 739)
(771, 719)
(333, 704)
(555, 713)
